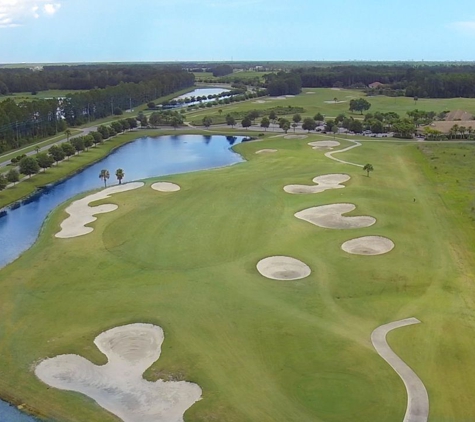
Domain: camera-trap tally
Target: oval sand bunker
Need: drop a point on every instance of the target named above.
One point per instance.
(324, 144)
(283, 268)
(165, 187)
(368, 245)
(266, 151)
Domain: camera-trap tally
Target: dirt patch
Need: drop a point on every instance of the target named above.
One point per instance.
(325, 182)
(283, 268)
(80, 213)
(368, 245)
(330, 217)
(118, 386)
(165, 187)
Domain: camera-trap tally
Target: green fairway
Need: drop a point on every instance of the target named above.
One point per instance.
(264, 350)
(321, 100)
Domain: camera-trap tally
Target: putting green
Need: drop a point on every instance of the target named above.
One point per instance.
(259, 349)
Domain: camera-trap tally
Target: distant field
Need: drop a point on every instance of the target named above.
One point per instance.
(28, 96)
(321, 100)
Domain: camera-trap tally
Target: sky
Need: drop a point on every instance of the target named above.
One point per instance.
(62, 31)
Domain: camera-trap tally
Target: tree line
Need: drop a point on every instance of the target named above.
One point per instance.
(441, 81)
(29, 121)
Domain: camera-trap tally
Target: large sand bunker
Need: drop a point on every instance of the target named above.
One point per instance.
(330, 217)
(118, 386)
(166, 187)
(283, 268)
(80, 213)
(266, 151)
(324, 144)
(325, 182)
(368, 245)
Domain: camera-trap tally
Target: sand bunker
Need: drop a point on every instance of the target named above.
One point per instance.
(266, 151)
(325, 182)
(368, 245)
(310, 93)
(324, 144)
(330, 217)
(118, 386)
(335, 102)
(259, 102)
(80, 213)
(295, 137)
(289, 96)
(283, 268)
(165, 187)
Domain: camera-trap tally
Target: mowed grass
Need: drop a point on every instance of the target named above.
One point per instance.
(41, 95)
(261, 350)
(321, 100)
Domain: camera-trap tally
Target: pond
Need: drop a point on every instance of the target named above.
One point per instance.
(143, 158)
(200, 92)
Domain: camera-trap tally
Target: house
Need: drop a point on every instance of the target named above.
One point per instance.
(375, 85)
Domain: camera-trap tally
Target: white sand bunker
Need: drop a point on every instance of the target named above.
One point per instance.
(310, 93)
(118, 386)
(80, 213)
(330, 217)
(166, 187)
(295, 137)
(368, 245)
(266, 151)
(324, 144)
(335, 102)
(283, 268)
(325, 182)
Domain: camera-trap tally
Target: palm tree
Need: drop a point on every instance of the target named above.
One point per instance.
(368, 167)
(104, 175)
(119, 173)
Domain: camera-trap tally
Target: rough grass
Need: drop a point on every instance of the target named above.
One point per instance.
(261, 350)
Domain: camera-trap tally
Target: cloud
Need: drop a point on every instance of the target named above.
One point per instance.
(465, 27)
(16, 12)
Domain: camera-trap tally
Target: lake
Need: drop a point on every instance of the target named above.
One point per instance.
(143, 158)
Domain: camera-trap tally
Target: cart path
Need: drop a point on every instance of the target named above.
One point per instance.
(417, 398)
(356, 145)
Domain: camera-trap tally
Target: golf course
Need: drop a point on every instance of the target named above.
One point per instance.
(247, 338)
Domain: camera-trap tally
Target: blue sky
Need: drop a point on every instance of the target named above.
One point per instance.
(40, 31)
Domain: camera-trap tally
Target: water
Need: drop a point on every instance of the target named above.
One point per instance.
(12, 414)
(200, 92)
(143, 158)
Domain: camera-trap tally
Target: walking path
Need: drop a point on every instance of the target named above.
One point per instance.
(417, 398)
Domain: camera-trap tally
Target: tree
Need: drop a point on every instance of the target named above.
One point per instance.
(44, 161)
(117, 127)
(68, 149)
(246, 122)
(119, 173)
(104, 175)
(176, 121)
(230, 120)
(96, 137)
(294, 125)
(253, 115)
(56, 152)
(265, 123)
(359, 104)
(356, 126)
(319, 118)
(67, 132)
(13, 176)
(118, 111)
(368, 167)
(309, 124)
(3, 182)
(29, 166)
(207, 121)
(297, 118)
(88, 141)
(273, 116)
(284, 124)
(78, 144)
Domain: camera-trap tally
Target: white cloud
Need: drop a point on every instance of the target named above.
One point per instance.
(16, 12)
(465, 27)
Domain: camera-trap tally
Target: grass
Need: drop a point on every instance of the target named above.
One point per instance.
(315, 103)
(261, 350)
(41, 95)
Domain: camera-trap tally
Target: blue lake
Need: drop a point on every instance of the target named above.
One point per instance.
(143, 158)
